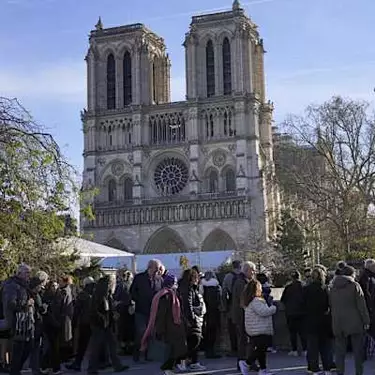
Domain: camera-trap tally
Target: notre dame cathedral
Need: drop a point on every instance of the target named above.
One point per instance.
(196, 175)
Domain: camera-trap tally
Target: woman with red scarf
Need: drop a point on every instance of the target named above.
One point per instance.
(166, 323)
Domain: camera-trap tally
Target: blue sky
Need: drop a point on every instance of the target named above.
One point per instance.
(316, 48)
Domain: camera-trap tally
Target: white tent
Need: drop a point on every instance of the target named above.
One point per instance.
(89, 249)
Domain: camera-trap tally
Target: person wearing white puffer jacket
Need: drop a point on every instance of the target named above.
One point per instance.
(258, 326)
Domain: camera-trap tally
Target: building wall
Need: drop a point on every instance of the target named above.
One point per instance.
(171, 153)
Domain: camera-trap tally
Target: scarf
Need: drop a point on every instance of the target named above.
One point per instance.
(176, 312)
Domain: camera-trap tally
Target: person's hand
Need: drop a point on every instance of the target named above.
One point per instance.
(367, 327)
(30, 302)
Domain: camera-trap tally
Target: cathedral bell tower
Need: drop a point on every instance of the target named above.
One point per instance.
(127, 65)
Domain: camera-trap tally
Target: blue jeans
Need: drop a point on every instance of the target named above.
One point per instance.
(141, 322)
(319, 345)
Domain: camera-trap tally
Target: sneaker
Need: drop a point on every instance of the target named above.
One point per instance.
(293, 354)
(168, 372)
(197, 367)
(243, 367)
(264, 372)
(271, 350)
(181, 367)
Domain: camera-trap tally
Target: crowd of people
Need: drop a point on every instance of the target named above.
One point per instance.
(157, 316)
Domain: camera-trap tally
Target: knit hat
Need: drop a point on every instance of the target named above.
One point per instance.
(34, 282)
(370, 265)
(348, 271)
(169, 281)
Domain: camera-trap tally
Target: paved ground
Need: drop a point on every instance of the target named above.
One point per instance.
(278, 363)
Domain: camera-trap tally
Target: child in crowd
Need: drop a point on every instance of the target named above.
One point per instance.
(258, 325)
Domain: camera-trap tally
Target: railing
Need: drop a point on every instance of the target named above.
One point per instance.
(171, 212)
(166, 199)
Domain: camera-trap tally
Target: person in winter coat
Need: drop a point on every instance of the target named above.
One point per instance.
(247, 274)
(40, 311)
(102, 323)
(18, 307)
(67, 310)
(145, 285)
(194, 310)
(292, 299)
(82, 311)
(228, 283)
(52, 327)
(212, 299)
(258, 326)
(318, 323)
(350, 318)
(123, 301)
(166, 324)
(367, 283)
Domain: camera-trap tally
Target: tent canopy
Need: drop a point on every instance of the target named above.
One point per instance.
(90, 249)
(210, 260)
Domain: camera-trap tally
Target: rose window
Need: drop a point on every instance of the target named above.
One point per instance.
(171, 176)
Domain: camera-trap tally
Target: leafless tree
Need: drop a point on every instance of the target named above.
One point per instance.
(328, 166)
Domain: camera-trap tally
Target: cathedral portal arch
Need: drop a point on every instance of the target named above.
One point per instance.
(218, 240)
(165, 240)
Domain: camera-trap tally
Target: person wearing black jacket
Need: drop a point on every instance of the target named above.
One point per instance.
(318, 323)
(102, 320)
(40, 311)
(81, 316)
(144, 287)
(292, 299)
(194, 310)
(52, 327)
(212, 299)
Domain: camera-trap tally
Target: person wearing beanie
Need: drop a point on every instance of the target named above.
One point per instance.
(36, 284)
(350, 318)
(166, 324)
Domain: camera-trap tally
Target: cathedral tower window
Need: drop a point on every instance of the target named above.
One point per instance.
(111, 82)
(210, 126)
(110, 137)
(230, 181)
(153, 82)
(210, 68)
(128, 189)
(127, 71)
(112, 190)
(227, 68)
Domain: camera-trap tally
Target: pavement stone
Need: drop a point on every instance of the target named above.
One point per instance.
(279, 363)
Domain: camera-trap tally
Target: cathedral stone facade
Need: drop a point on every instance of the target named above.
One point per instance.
(196, 175)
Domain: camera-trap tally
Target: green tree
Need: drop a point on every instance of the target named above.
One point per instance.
(291, 241)
(37, 189)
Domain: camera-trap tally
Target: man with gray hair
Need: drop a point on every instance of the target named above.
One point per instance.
(145, 285)
(18, 305)
(237, 312)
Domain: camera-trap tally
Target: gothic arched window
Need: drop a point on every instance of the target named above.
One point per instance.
(213, 182)
(127, 71)
(128, 189)
(227, 69)
(112, 190)
(110, 138)
(210, 68)
(230, 181)
(153, 82)
(111, 82)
